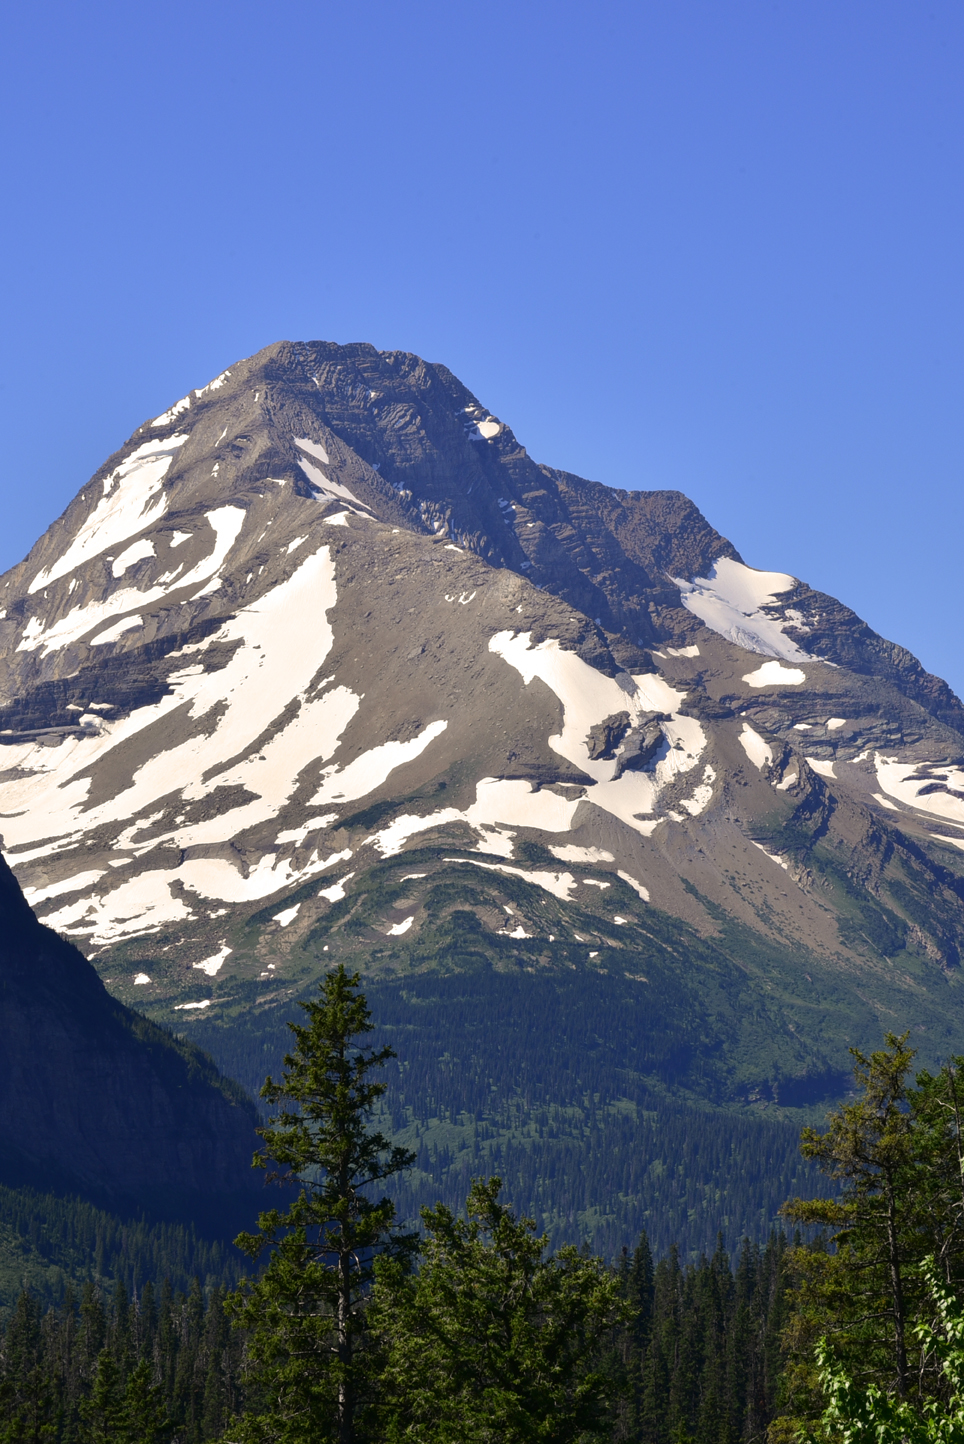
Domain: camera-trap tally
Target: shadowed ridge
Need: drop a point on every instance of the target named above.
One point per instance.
(97, 1099)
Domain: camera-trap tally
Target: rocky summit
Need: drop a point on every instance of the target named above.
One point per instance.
(322, 666)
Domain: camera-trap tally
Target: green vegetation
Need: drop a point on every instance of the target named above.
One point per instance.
(310, 1358)
(700, 1356)
(356, 1332)
(558, 1082)
(490, 1339)
(130, 1369)
(870, 1415)
(48, 1243)
(897, 1153)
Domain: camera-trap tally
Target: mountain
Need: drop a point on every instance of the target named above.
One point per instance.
(322, 666)
(101, 1102)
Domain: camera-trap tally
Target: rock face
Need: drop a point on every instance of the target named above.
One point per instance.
(99, 1101)
(321, 665)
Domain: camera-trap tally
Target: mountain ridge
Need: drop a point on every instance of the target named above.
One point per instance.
(98, 1100)
(324, 620)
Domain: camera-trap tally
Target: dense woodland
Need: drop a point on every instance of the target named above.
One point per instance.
(541, 1081)
(49, 1243)
(350, 1328)
(698, 1356)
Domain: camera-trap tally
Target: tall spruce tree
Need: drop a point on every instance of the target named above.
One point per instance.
(311, 1363)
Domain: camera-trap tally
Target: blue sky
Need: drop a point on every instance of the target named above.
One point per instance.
(711, 246)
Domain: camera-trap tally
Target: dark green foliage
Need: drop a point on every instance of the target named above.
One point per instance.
(896, 1153)
(139, 1370)
(311, 1360)
(490, 1339)
(701, 1353)
(48, 1241)
(552, 1081)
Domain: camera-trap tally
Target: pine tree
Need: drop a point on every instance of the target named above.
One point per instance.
(490, 1340)
(144, 1413)
(869, 1148)
(103, 1413)
(310, 1364)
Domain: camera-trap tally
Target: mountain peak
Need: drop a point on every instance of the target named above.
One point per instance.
(321, 658)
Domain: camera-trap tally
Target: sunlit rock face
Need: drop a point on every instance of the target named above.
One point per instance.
(321, 660)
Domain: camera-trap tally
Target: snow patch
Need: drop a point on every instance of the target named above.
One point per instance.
(560, 884)
(511, 802)
(111, 634)
(758, 751)
(496, 842)
(313, 448)
(132, 499)
(213, 964)
(318, 478)
(904, 781)
(80, 880)
(286, 915)
(730, 601)
(398, 928)
(571, 853)
(168, 416)
(336, 892)
(373, 768)
(485, 430)
(138, 551)
(780, 862)
(214, 385)
(226, 523)
(692, 651)
(298, 834)
(636, 886)
(588, 697)
(702, 796)
(140, 978)
(825, 769)
(279, 643)
(772, 674)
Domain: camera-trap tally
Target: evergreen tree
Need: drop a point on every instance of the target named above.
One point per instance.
(490, 1340)
(869, 1148)
(145, 1415)
(869, 1415)
(897, 1152)
(102, 1411)
(310, 1366)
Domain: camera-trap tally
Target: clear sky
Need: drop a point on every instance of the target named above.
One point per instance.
(672, 243)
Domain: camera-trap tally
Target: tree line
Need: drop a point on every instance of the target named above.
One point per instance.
(351, 1329)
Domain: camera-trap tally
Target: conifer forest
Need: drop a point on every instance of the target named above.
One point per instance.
(334, 1319)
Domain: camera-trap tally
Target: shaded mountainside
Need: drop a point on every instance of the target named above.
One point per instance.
(51, 1242)
(99, 1101)
(322, 666)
